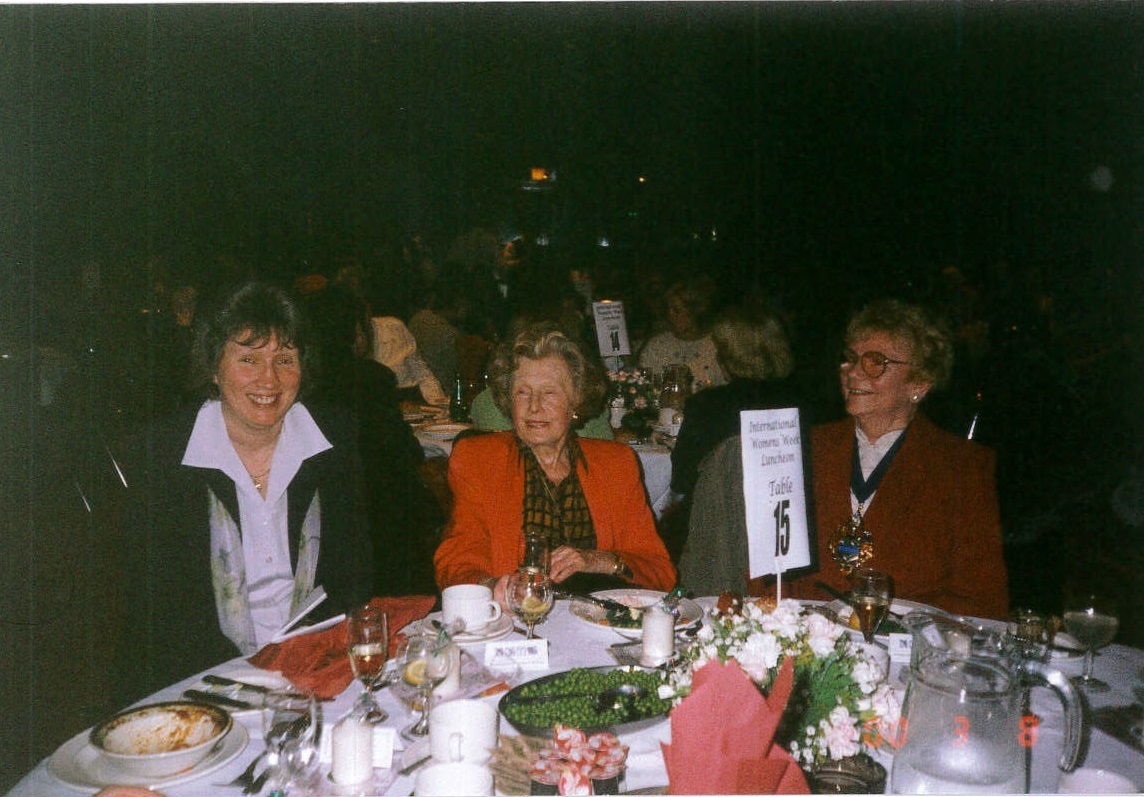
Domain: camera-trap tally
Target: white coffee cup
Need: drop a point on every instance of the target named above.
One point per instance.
(1088, 780)
(461, 779)
(667, 416)
(472, 604)
(463, 730)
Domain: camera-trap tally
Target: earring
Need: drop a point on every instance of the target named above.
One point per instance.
(917, 398)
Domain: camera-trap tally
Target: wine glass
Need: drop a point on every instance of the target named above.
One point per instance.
(367, 638)
(871, 592)
(530, 597)
(291, 727)
(1090, 617)
(424, 662)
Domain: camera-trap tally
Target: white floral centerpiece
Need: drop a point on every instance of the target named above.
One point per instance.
(840, 703)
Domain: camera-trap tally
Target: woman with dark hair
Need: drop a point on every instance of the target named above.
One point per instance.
(584, 496)
(238, 509)
(405, 517)
(891, 489)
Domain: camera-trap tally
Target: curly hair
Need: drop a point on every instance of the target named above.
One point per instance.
(929, 341)
(535, 343)
(253, 313)
(752, 345)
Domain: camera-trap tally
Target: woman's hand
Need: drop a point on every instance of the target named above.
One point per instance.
(567, 561)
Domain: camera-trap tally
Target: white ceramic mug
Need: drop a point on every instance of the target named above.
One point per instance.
(472, 604)
(461, 779)
(463, 730)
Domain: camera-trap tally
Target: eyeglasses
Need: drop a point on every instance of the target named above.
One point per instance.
(874, 363)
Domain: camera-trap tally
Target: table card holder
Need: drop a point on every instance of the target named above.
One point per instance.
(774, 492)
(611, 329)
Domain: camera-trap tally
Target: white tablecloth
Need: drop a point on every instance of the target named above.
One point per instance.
(574, 643)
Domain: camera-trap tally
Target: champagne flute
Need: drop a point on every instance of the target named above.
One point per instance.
(536, 557)
(1090, 618)
(871, 592)
(367, 637)
(530, 597)
(425, 662)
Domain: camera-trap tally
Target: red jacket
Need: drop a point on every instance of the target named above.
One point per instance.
(484, 537)
(934, 519)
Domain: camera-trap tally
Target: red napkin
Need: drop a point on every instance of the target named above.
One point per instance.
(319, 663)
(722, 736)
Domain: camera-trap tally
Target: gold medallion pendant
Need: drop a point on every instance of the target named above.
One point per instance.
(851, 544)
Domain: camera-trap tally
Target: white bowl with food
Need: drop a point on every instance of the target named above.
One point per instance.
(161, 739)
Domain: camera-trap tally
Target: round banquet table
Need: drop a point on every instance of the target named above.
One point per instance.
(574, 642)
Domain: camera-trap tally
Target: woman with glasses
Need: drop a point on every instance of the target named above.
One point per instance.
(893, 491)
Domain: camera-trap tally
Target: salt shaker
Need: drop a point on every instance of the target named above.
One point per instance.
(352, 753)
(658, 636)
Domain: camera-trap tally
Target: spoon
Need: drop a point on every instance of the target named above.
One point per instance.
(620, 698)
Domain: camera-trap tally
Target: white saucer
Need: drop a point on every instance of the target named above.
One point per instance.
(497, 629)
(79, 765)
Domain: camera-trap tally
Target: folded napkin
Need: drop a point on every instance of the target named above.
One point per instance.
(319, 662)
(722, 736)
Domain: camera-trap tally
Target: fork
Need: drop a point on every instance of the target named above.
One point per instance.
(247, 777)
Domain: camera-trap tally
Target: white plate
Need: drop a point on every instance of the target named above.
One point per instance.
(79, 765)
(690, 612)
(444, 431)
(497, 629)
(250, 675)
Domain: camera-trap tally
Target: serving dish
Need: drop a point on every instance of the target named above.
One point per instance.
(79, 765)
(161, 739)
(690, 612)
(633, 706)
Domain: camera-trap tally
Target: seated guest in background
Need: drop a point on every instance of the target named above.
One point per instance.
(585, 496)
(238, 508)
(753, 350)
(395, 348)
(687, 342)
(405, 517)
(432, 327)
(889, 482)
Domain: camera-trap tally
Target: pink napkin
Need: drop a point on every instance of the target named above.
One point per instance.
(319, 662)
(722, 736)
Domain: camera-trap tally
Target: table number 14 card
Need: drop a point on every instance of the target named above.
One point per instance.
(774, 491)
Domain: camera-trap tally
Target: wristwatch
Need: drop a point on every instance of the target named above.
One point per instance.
(620, 569)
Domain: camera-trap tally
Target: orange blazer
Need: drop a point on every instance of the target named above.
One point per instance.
(484, 537)
(934, 519)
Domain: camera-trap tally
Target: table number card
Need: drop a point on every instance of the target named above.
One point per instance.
(611, 329)
(528, 654)
(774, 491)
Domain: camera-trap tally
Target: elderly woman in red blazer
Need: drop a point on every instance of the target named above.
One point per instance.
(584, 496)
(893, 491)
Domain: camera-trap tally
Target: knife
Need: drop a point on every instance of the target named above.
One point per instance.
(605, 603)
(218, 700)
(222, 680)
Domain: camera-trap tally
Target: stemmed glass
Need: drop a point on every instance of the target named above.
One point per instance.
(871, 592)
(530, 596)
(367, 638)
(1090, 618)
(424, 662)
(536, 556)
(291, 728)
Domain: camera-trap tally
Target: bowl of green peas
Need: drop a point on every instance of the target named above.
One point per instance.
(619, 699)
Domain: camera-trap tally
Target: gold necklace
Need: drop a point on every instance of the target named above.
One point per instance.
(260, 479)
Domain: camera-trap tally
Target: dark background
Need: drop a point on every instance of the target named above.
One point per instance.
(820, 152)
